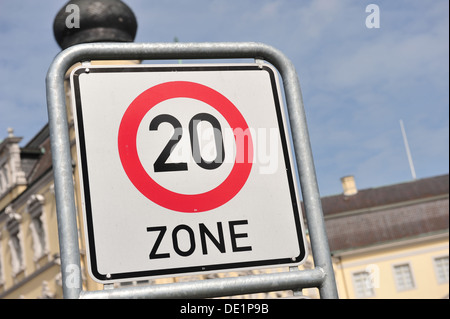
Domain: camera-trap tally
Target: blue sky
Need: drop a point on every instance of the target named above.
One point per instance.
(357, 83)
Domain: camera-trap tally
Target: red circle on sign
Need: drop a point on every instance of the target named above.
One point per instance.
(187, 203)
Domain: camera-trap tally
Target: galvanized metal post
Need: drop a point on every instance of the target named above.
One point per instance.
(321, 277)
(63, 180)
(216, 287)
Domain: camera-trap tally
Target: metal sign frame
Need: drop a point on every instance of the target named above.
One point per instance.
(269, 247)
(321, 277)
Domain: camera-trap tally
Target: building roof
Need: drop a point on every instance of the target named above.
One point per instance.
(386, 214)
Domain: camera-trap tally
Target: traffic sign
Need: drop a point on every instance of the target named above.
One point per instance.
(185, 169)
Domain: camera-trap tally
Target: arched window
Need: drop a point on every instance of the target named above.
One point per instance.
(37, 226)
(15, 245)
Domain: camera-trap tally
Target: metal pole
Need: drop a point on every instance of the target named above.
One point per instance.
(63, 180)
(165, 51)
(307, 175)
(220, 287)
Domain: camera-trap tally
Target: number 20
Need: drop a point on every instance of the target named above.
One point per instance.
(160, 164)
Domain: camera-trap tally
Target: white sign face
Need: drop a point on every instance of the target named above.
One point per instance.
(185, 169)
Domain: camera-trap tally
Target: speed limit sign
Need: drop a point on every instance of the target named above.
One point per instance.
(185, 169)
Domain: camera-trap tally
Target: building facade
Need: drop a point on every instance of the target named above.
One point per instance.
(391, 241)
(29, 251)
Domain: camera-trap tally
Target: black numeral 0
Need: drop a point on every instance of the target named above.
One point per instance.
(160, 164)
(218, 140)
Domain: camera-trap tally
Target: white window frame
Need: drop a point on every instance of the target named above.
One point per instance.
(2, 275)
(17, 253)
(15, 240)
(35, 208)
(437, 270)
(368, 289)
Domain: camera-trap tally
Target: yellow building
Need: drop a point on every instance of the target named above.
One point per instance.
(392, 241)
(29, 251)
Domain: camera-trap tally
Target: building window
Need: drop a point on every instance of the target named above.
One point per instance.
(15, 245)
(3, 183)
(441, 267)
(1, 263)
(363, 285)
(403, 277)
(133, 283)
(37, 227)
(16, 253)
